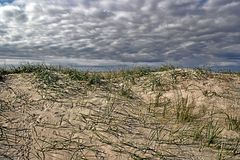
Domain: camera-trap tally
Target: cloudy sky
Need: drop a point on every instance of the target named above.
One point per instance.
(119, 32)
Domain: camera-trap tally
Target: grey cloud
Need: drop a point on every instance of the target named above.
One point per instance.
(184, 32)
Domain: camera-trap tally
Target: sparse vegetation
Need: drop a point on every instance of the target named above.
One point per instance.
(233, 122)
(126, 91)
(1, 78)
(49, 112)
(212, 132)
(184, 110)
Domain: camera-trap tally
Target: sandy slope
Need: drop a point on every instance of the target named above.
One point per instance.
(162, 115)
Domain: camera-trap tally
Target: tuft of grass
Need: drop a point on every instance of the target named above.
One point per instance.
(47, 77)
(91, 78)
(3, 71)
(198, 133)
(25, 68)
(95, 79)
(132, 75)
(165, 68)
(233, 122)
(48, 74)
(2, 78)
(141, 71)
(203, 72)
(45, 74)
(126, 91)
(208, 133)
(29, 68)
(184, 110)
(75, 74)
(155, 83)
(213, 131)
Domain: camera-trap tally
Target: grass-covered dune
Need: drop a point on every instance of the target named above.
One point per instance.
(56, 113)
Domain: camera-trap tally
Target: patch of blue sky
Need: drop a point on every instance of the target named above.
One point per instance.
(202, 2)
(6, 1)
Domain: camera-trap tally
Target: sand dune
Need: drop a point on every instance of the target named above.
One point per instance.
(53, 114)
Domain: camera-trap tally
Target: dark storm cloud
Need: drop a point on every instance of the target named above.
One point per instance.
(184, 32)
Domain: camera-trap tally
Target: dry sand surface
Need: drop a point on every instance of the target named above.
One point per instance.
(176, 114)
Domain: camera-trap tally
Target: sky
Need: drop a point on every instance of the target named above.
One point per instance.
(121, 32)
